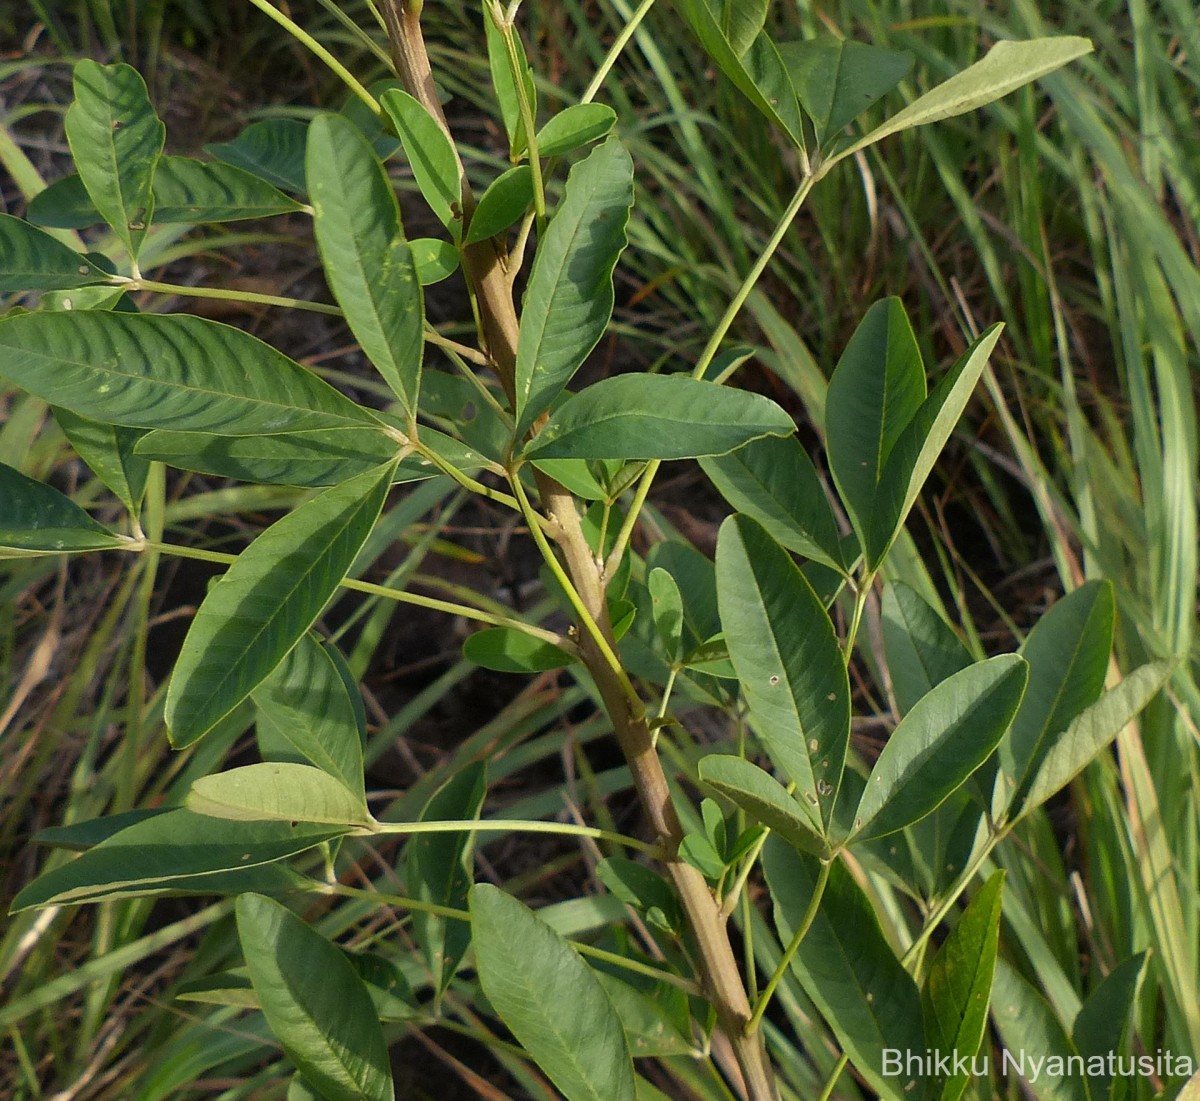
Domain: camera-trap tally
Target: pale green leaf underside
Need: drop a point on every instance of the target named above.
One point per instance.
(278, 791)
(262, 607)
(764, 798)
(549, 999)
(315, 1003)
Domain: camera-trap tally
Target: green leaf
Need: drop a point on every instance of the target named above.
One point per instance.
(742, 21)
(575, 475)
(876, 389)
(846, 965)
(911, 459)
(549, 999)
(773, 480)
(278, 791)
(116, 140)
(155, 371)
(644, 889)
(507, 650)
(649, 1027)
(502, 205)
(173, 852)
(939, 743)
(367, 262)
(1102, 1024)
(315, 1003)
(574, 127)
(35, 517)
(756, 70)
(1091, 731)
(569, 297)
(272, 150)
(697, 850)
(266, 602)
(314, 458)
(64, 205)
(667, 602)
(762, 797)
(784, 648)
(109, 450)
(431, 156)
(922, 650)
(1068, 652)
(836, 80)
(305, 713)
(31, 260)
(959, 985)
(438, 870)
(1006, 67)
(434, 259)
(657, 417)
(1033, 1034)
(505, 85)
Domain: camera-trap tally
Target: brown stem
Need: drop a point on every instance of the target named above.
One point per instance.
(486, 268)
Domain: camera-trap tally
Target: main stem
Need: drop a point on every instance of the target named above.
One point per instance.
(486, 265)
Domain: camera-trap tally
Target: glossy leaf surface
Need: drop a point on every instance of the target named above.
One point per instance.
(31, 260)
(36, 517)
(367, 261)
(788, 661)
(116, 140)
(574, 127)
(549, 999)
(177, 850)
(431, 156)
(109, 450)
(315, 1003)
(502, 204)
(507, 650)
(157, 371)
(569, 297)
(657, 417)
(272, 150)
(266, 602)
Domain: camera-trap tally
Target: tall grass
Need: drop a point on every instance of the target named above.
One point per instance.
(1070, 211)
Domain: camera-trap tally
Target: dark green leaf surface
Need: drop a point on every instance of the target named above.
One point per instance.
(315, 1003)
(438, 871)
(657, 417)
(507, 650)
(836, 79)
(175, 851)
(742, 21)
(569, 297)
(116, 140)
(278, 791)
(505, 84)
(922, 650)
(272, 150)
(434, 259)
(1033, 1034)
(549, 999)
(314, 458)
(846, 965)
(266, 602)
(642, 888)
(1068, 651)
(367, 262)
(432, 158)
(876, 389)
(31, 260)
(153, 371)
(959, 986)
(786, 654)
(574, 127)
(911, 459)
(502, 204)
(764, 798)
(773, 480)
(109, 450)
(939, 743)
(1102, 1024)
(36, 517)
(304, 712)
